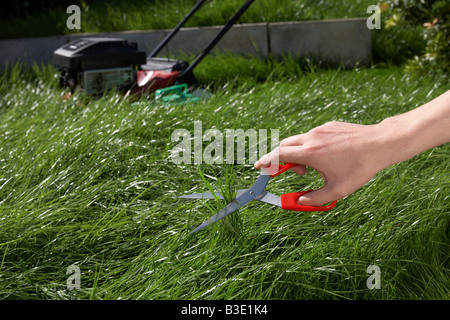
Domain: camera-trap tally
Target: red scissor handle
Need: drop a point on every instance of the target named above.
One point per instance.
(283, 167)
(289, 202)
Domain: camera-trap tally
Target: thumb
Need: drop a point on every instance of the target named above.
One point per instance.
(318, 197)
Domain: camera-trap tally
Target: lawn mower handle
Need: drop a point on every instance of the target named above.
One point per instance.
(175, 30)
(225, 29)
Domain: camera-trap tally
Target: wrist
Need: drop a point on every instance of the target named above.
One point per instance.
(399, 139)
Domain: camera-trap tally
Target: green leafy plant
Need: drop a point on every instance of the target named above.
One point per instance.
(431, 20)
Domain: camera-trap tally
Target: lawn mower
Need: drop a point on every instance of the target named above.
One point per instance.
(99, 64)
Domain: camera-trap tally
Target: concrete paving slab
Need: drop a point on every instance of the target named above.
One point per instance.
(29, 50)
(248, 39)
(346, 41)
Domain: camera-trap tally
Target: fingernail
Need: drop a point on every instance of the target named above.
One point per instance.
(302, 201)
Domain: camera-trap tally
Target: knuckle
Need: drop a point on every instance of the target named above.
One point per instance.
(314, 131)
(317, 132)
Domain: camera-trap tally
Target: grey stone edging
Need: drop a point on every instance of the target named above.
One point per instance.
(346, 41)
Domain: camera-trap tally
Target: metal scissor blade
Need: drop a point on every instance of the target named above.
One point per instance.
(205, 195)
(230, 208)
(270, 198)
(209, 195)
(256, 189)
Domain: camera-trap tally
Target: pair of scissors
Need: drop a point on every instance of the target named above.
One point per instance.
(287, 201)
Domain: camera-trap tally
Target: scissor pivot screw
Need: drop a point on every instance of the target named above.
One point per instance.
(252, 193)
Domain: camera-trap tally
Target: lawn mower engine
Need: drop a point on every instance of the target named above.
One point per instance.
(100, 64)
(96, 65)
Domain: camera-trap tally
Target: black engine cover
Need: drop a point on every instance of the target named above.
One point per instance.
(84, 54)
(98, 53)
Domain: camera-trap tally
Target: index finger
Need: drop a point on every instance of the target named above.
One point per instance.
(284, 154)
(296, 140)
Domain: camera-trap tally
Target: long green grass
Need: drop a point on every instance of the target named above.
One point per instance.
(90, 182)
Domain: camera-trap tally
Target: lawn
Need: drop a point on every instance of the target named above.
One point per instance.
(90, 182)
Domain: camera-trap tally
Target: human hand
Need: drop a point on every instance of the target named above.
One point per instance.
(346, 155)
(349, 155)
